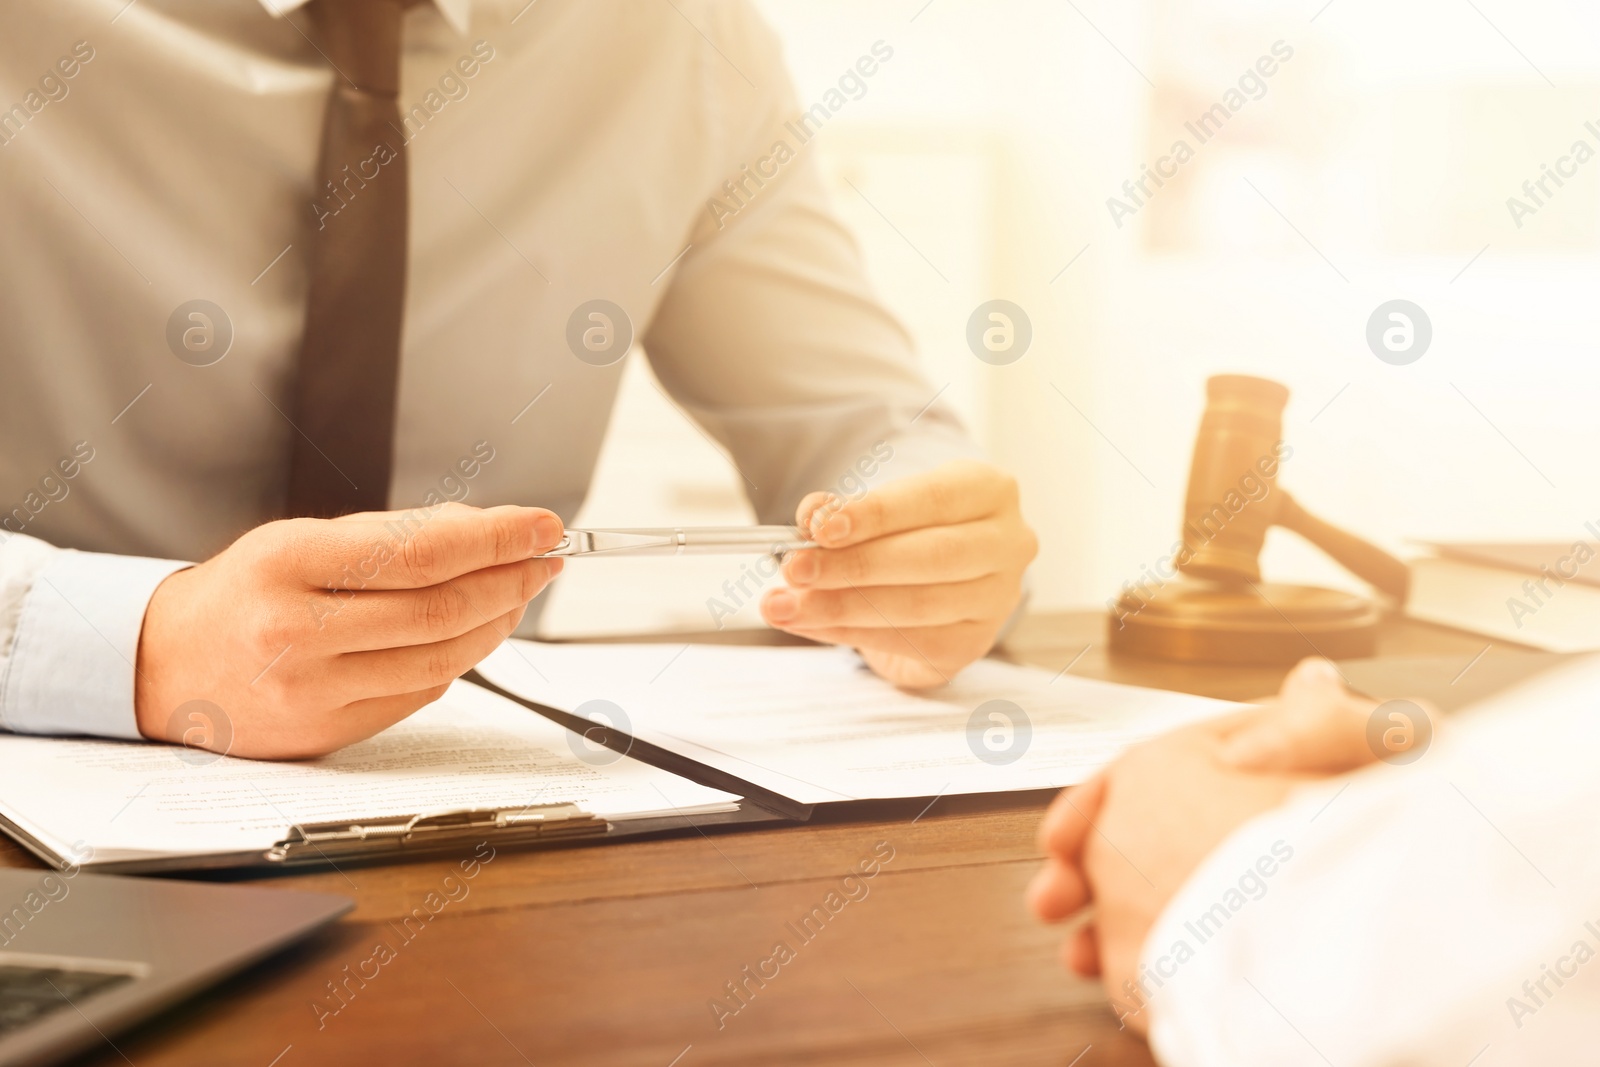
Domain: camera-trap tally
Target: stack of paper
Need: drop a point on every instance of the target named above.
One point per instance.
(815, 725)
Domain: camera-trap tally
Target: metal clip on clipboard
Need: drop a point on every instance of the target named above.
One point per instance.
(321, 841)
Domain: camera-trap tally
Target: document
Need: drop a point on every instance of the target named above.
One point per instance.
(816, 726)
(113, 800)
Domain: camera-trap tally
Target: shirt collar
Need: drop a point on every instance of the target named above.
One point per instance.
(458, 13)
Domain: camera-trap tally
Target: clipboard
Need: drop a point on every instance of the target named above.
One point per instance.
(523, 800)
(369, 841)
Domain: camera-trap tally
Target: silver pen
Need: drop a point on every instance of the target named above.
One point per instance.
(683, 541)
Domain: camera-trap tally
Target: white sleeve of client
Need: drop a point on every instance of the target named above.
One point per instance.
(1442, 912)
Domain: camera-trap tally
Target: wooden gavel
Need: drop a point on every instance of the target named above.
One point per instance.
(1233, 497)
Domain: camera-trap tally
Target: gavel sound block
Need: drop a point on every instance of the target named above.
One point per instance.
(1219, 610)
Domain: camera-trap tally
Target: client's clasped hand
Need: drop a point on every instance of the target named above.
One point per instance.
(1126, 840)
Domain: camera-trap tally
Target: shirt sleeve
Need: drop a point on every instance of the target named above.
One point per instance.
(69, 636)
(770, 336)
(1442, 912)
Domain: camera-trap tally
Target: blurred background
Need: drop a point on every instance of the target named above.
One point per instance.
(1375, 163)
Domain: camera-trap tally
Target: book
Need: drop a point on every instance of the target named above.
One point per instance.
(1542, 595)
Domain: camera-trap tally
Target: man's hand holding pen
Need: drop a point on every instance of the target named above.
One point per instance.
(919, 575)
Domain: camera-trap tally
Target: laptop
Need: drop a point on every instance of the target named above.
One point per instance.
(84, 955)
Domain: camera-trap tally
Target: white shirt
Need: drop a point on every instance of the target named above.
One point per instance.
(582, 158)
(1434, 914)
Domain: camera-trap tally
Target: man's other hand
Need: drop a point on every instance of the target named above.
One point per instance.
(918, 575)
(310, 634)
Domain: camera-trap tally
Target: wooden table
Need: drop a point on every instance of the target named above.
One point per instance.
(612, 955)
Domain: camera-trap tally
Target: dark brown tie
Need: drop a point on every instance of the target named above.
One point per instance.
(344, 399)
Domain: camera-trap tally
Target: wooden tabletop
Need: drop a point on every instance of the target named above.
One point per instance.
(614, 954)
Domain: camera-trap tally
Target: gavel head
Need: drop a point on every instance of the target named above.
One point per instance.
(1231, 499)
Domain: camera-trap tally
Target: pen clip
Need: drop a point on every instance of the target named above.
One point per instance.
(676, 541)
(598, 542)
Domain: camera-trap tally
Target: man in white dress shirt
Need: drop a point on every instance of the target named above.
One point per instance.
(171, 210)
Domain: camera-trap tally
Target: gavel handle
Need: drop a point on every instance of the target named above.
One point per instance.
(1362, 558)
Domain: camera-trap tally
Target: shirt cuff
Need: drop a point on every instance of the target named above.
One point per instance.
(70, 669)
